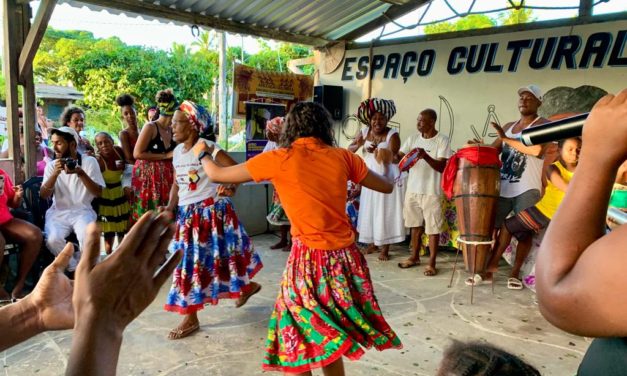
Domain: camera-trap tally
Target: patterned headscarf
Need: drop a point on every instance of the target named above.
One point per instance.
(167, 108)
(369, 107)
(275, 125)
(198, 116)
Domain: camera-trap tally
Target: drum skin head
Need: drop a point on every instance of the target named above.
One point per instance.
(408, 161)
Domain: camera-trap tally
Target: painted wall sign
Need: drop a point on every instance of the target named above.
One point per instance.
(597, 50)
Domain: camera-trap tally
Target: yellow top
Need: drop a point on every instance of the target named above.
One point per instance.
(552, 195)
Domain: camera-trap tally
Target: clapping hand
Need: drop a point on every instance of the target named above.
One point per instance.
(19, 193)
(52, 296)
(226, 190)
(201, 146)
(131, 275)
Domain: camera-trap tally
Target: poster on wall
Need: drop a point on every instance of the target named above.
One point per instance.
(252, 85)
(257, 114)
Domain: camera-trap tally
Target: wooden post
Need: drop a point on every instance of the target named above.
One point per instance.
(11, 22)
(222, 91)
(28, 100)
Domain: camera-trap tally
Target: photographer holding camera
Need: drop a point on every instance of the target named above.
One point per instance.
(73, 181)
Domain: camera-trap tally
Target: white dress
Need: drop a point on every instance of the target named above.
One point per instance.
(381, 215)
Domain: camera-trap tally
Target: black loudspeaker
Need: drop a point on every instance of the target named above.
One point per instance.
(332, 98)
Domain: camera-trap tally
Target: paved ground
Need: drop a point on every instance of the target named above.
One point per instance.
(422, 310)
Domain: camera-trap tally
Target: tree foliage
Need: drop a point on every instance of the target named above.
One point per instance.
(482, 21)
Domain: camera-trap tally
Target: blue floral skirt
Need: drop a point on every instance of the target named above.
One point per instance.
(219, 259)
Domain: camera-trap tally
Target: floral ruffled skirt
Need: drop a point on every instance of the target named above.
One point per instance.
(219, 259)
(326, 308)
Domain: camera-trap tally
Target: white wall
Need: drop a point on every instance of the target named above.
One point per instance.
(470, 93)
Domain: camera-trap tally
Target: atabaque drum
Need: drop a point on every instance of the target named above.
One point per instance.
(476, 192)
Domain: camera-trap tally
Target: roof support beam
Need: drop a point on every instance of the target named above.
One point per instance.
(585, 8)
(34, 37)
(393, 12)
(166, 13)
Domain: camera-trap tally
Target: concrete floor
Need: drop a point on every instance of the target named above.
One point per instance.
(423, 311)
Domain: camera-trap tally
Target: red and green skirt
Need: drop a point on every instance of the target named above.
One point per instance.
(151, 183)
(326, 309)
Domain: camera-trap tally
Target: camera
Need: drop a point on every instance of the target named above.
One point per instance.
(70, 163)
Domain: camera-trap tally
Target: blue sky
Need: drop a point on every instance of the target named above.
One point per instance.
(137, 31)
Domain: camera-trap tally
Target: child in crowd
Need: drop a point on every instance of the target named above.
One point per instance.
(530, 221)
(480, 359)
(113, 206)
(326, 306)
(219, 259)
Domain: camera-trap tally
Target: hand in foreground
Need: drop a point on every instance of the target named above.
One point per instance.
(201, 146)
(52, 297)
(605, 130)
(115, 291)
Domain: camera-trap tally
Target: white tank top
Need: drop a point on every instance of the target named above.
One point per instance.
(520, 172)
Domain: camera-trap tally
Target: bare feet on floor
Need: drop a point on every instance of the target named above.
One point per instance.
(409, 263)
(188, 326)
(18, 292)
(384, 255)
(370, 249)
(430, 271)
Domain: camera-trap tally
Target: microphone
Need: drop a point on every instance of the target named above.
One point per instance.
(554, 131)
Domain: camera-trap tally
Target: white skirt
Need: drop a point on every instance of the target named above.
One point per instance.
(381, 214)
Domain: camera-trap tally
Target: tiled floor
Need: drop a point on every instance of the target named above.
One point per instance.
(423, 310)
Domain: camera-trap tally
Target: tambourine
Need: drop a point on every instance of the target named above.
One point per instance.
(409, 160)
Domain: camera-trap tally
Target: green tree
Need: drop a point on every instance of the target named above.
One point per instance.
(514, 17)
(482, 21)
(473, 21)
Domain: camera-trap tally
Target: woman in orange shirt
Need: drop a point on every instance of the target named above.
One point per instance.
(326, 307)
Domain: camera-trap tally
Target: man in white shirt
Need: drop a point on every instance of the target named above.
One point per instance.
(422, 209)
(73, 181)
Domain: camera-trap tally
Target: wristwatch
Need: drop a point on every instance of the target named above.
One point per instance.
(203, 154)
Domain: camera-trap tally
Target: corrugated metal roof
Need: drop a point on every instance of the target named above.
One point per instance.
(313, 22)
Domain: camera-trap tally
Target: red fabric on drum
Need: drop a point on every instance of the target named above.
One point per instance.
(479, 155)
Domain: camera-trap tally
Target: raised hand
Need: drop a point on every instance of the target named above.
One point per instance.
(52, 297)
(131, 274)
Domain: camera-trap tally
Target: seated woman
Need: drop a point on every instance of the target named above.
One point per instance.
(27, 235)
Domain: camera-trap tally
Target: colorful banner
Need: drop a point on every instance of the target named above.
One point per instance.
(257, 114)
(252, 85)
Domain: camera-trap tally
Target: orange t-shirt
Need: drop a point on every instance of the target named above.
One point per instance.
(310, 178)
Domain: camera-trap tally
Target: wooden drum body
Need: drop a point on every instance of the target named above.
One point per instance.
(476, 192)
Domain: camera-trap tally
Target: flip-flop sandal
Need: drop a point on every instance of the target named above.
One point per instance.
(430, 271)
(408, 264)
(475, 280)
(514, 284)
(245, 298)
(182, 333)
